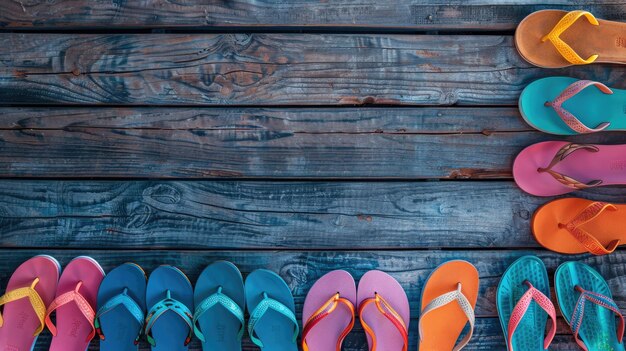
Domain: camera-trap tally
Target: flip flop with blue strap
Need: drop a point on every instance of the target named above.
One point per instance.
(169, 324)
(219, 307)
(587, 305)
(273, 325)
(121, 308)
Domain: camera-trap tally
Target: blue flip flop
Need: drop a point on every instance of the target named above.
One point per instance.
(121, 308)
(273, 325)
(169, 325)
(587, 305)
(523, 301)
(219, 307)
(568, 106)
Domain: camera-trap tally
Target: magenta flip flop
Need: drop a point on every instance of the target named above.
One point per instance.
(30, 290)
(328, 313)
(75, 305)
(555, 167)
(384, 311)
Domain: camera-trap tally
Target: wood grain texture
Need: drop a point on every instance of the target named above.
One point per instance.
(270, 69)
(301, 215)
(300, 269)
(333, 15)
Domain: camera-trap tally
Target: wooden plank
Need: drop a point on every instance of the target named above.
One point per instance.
(299, 215)
(411, 268)
(270, 69)
(314, 143)
(291, 14)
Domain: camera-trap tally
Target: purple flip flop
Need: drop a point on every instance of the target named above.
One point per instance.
(328, 314)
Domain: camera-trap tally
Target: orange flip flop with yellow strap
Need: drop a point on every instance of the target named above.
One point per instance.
(575, 226)
(555, 39)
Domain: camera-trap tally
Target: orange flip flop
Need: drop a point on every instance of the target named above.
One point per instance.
(575, 226)
(555, 39)
(448, 303)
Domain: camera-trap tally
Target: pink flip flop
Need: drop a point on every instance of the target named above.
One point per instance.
(30, 290)
(384, 311)
(75, 305)
(328, 314)
(556, 167)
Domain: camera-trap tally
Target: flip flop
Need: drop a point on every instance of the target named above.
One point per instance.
(121, 308)
(75, 304)
(30, 290)
(556, 167)
(328, 313)
(273, 325)
(555, 39)
(587, 305)
(219, 307)
(169, 324)
(384, 311)
(448, 302)
(575, 226)
(523, 301)
(568, 106)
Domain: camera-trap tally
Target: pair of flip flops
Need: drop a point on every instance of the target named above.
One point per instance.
(35, 291)
(329, 311)
(220, 300)
(585, 301)
(555, 39)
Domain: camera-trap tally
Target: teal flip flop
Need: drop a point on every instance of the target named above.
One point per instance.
(523, 301)
(273, 325)
(219, 307)
(169, 325)
(121, 308)
(587, 305)
(568, 106)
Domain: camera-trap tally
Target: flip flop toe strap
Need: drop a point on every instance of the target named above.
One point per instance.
(591, 243)
(33, 297)
(520, 309)
(259, 311)
(128, 303)
(568, 181)
(168, 304)
(562, 47)
(445, 299)
(83, 306)
(579, 313)
(386, 310)
(218, 298)
(326, 310)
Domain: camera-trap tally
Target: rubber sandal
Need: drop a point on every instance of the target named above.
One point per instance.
(121, 308)
(384, 311)
(75, 305)
(555, 167)
(328, 313)
(523, 302)
(272, 325)
(567, 106)
(169, 323)
(30, 290)
(555, 39)
(447, 305)
(587, 305)
(575, 226)
(219, 307)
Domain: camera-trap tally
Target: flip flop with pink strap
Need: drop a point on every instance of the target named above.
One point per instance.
(75, 305)
(556, 167)
(30, 290)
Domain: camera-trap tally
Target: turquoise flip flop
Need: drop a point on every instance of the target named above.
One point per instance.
(273, 325)
(587, 305)
(121, 308)
(169, 325)
(523, 301)
(568, 106)
(219, 307)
